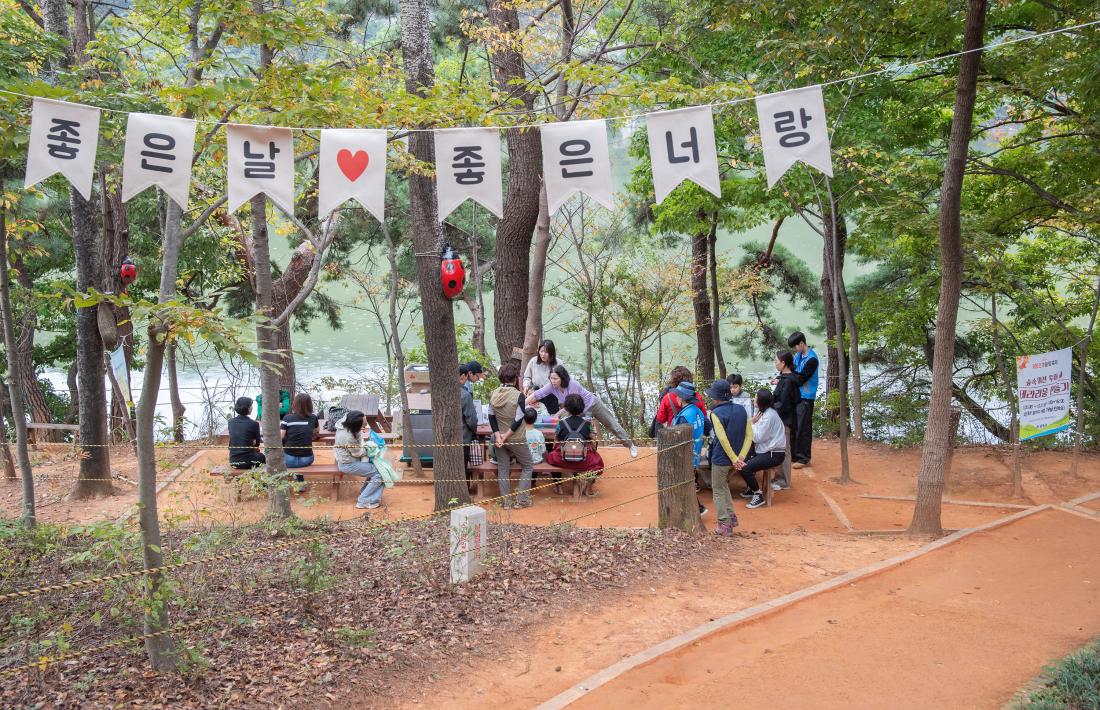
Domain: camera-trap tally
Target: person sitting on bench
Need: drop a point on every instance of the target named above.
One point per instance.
(300, 430)
(576, 449)
(244, 437)
(769, 442)
(352, 458)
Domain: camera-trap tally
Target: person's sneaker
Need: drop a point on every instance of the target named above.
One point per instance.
(702, 509)
(525, 503)
(798, 464)
(633, 451)
(507, 504)
(361, 506)
(372, 506)
(777, 486)
(746, 494)
(724, 529)
(757, 501)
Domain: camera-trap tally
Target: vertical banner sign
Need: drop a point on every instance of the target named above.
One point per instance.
(793, 128)
(575, 158)
(63, 140)
(122, 375)
(158, 152)
(681, 147)
(261, 160)
(1043, 385)
(352, 166)
(467, 165)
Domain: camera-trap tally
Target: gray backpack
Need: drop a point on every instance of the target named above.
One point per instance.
(573, 447)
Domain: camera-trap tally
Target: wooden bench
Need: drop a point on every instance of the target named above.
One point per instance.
(33, 427)
(324, 472)
(487, 471)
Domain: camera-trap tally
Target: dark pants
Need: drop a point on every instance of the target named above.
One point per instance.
(802, 433)
(760, 462)
(251, 460)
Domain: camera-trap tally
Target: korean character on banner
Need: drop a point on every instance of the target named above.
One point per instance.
(260, 160)
(691, 145)
(466, 158)
(793, 129)
(576, 159)
(63, 139)
(575, 152)
(158, 153)
(682, 147)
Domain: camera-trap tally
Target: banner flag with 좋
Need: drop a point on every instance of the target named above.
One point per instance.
(158, 153)
(576, 158)
(352, 166)
(682, 147)
(260, 160)
(1042, 383)
(793, 128)
(467, 166)
(63, 139)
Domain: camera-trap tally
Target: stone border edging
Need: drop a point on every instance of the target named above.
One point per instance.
(600, 678)
(164, 483)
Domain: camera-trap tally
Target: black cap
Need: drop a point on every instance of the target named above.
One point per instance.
(474, 367)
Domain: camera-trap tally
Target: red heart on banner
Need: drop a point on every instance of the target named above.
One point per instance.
(352, 165)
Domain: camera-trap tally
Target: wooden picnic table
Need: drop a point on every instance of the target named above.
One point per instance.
(368, 405)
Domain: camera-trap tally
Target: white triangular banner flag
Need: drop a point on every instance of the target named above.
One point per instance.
(681, 147)
(158, 152)
(63, 140)
(261, 159)
(352, 166)
(793, 128)
(575, 158)
(467, 166)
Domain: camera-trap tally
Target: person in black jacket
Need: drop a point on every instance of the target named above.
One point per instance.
(787, 398)
(244, 437)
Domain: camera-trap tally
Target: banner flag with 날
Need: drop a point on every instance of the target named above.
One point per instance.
(352, 166)
(1043, 384)
(575, 158)
(793, 128)
(63, 140)
(158, 152)
(467, 166)
(681, 147)
(261, 160)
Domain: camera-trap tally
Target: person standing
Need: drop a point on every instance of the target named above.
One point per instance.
(786, 402)
(769, 438)
(806, 368)
(561, 385)
(300, 430)
(669, 405)
(510, 438)
(537, 373)
(469, 417)
(733, 437)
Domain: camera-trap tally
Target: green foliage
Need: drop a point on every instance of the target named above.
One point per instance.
(1070, 684)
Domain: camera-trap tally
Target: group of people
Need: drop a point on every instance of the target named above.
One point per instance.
(772, 430)
(357, 452)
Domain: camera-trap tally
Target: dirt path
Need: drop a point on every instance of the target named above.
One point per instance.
(962, 626)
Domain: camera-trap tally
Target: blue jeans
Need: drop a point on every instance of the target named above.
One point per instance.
(298, 461)
(371, 492)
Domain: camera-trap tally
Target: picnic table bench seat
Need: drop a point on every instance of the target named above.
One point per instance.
(324, 472)
(487, 471)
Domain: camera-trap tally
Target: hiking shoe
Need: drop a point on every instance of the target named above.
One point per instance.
(777, 486)
(633, 451)
(507, 504)
(757, 501)
(746, 494)
(724, 529)
(525, 503)
(361, 506)
(799, 464)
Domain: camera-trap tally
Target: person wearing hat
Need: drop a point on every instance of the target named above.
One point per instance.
(732, 439)
(689, 412)
(244, 437)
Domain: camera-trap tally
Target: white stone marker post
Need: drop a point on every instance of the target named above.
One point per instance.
(468, 532)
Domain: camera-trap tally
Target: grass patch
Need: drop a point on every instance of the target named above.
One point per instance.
(1073, 682)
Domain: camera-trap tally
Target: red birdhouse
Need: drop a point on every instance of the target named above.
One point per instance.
(452, 273)
(127, 272)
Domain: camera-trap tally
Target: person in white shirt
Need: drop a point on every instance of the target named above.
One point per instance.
(537, 373)
(769, 440)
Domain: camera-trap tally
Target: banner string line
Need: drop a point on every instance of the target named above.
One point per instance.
(45, 662)
(633, 117)
(98, 581)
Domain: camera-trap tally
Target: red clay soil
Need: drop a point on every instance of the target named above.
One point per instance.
(962, 626)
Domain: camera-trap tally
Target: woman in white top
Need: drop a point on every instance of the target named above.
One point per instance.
(769, 441)
(537, 373)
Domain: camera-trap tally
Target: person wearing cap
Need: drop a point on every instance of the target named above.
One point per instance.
(244, 437)
(474, 373)
(732, 439)
(689, 412)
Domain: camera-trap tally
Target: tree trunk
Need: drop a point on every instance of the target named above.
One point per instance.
(14, 393)
(838, 316)
(34, 401)
(533, 328)
(700, 301)
(853, 351)
(436, 310)
(399, 353)
(1010, 399)
(521, 204)
(715, 301)
(937, 449)
(835, 234)
(178, 410)
(1079, 426)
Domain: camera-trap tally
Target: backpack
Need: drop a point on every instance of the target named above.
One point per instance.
(655, 425)
(333, 416)
(573, 447)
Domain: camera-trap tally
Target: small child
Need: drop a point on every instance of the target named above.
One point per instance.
(536, 441)
(690, 413)
(739, 396)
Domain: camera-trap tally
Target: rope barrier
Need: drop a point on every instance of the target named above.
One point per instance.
(96, 581)
(273, 447)
(45, 662)
(212, 478)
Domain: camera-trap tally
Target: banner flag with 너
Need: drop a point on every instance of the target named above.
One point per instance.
(352, 166)
(158, 152)
(681, 147)
(793, 128)
(1043, 384)
(467, 166)
(261, 160)
(575, 158)
(63, 140)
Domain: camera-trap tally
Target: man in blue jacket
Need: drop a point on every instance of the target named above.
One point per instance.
(805, 366)
(731, 442)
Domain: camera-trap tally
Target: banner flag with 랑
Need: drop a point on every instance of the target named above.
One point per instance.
(793, 128)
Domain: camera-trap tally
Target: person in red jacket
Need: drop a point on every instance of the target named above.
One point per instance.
(669, 406)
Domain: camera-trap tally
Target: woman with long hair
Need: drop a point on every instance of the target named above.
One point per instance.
(561, 385)
(537, 373)
(352, 458)
(300, 429)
